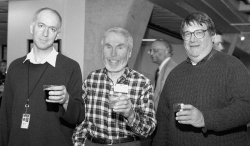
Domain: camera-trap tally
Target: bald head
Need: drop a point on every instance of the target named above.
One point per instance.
(48, 10)
(160, 50)
(45, 28)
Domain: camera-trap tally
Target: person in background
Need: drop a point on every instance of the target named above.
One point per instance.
(161, 53)
(133, 115)
(3, 66)
(25, 118)
(218, 42)
(212, 89)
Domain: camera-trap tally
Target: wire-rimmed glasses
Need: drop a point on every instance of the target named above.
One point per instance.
(199, 34)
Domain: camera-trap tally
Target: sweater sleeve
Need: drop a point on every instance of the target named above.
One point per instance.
(144, 122)
(237, 112)
(75, 110)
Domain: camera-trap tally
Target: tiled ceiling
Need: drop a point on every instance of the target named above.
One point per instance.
(230, 16)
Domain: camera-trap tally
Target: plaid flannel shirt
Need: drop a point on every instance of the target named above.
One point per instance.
(101, 122)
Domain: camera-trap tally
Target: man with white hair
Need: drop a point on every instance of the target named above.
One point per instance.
(133, 115)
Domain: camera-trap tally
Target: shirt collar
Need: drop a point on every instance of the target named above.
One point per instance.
(163, 63)
(51, 58)
(205, 59)
(123, 77)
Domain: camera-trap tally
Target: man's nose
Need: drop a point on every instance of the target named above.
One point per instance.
(46, 31)
(113, 53)
(192, 37)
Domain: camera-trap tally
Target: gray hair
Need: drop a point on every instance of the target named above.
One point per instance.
(122, 31)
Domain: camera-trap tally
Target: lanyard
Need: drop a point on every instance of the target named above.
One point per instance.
(30, 93)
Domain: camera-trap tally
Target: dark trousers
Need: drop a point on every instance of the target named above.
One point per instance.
(146, 141)
(134, 143)
(248, 132)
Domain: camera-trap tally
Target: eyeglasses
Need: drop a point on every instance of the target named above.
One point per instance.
(199, 34)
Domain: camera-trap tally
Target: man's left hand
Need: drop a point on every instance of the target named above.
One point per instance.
(124, 106)
(190, 115)
(58, 94)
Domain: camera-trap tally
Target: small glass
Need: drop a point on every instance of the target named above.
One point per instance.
(113, 98)
(50, 106)
(177, 107)
(46, 90)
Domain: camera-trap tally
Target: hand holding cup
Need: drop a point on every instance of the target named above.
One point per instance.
(123, 105)
(177, 107)
(113, 99)
(190, 115)
(56, 93)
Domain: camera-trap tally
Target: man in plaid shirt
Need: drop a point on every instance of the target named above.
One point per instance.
(130, 118)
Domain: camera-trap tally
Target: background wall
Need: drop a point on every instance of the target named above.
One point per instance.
(104, 14)
(84, 22)
(20, 17)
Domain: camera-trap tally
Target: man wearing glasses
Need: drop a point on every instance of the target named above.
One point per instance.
(212, 89)
(161, 52)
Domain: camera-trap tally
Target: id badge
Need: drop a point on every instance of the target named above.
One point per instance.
(25, 121)
(121, 88)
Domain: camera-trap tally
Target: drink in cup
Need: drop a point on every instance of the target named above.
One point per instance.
(113, 99)
(177, 107)
(46, 90)
(119, 90)
(50, 106)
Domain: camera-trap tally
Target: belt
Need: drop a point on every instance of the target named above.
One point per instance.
(111, 141)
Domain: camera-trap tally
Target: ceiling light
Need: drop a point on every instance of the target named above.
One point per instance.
(242, 38)
(148, 40)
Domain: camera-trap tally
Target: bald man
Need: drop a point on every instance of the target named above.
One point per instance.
(26, 117)
(161, 52)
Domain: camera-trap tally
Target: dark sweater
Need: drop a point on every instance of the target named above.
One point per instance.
(47, 128)
(219, 86)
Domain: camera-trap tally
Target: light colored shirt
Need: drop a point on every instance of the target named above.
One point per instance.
(163, 63)
(51, 58)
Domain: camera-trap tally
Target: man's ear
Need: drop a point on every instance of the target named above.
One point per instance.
(31, 27)
(130, 53)
(57, 36)
(166, 51)
(213, 38)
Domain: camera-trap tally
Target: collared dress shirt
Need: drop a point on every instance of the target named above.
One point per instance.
(101, 122)
(51, 58)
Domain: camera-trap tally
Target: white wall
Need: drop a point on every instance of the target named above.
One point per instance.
(74, 30)
(20, 17)
(103, 14)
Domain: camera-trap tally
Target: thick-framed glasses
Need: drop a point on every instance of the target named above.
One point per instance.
(199, 34)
